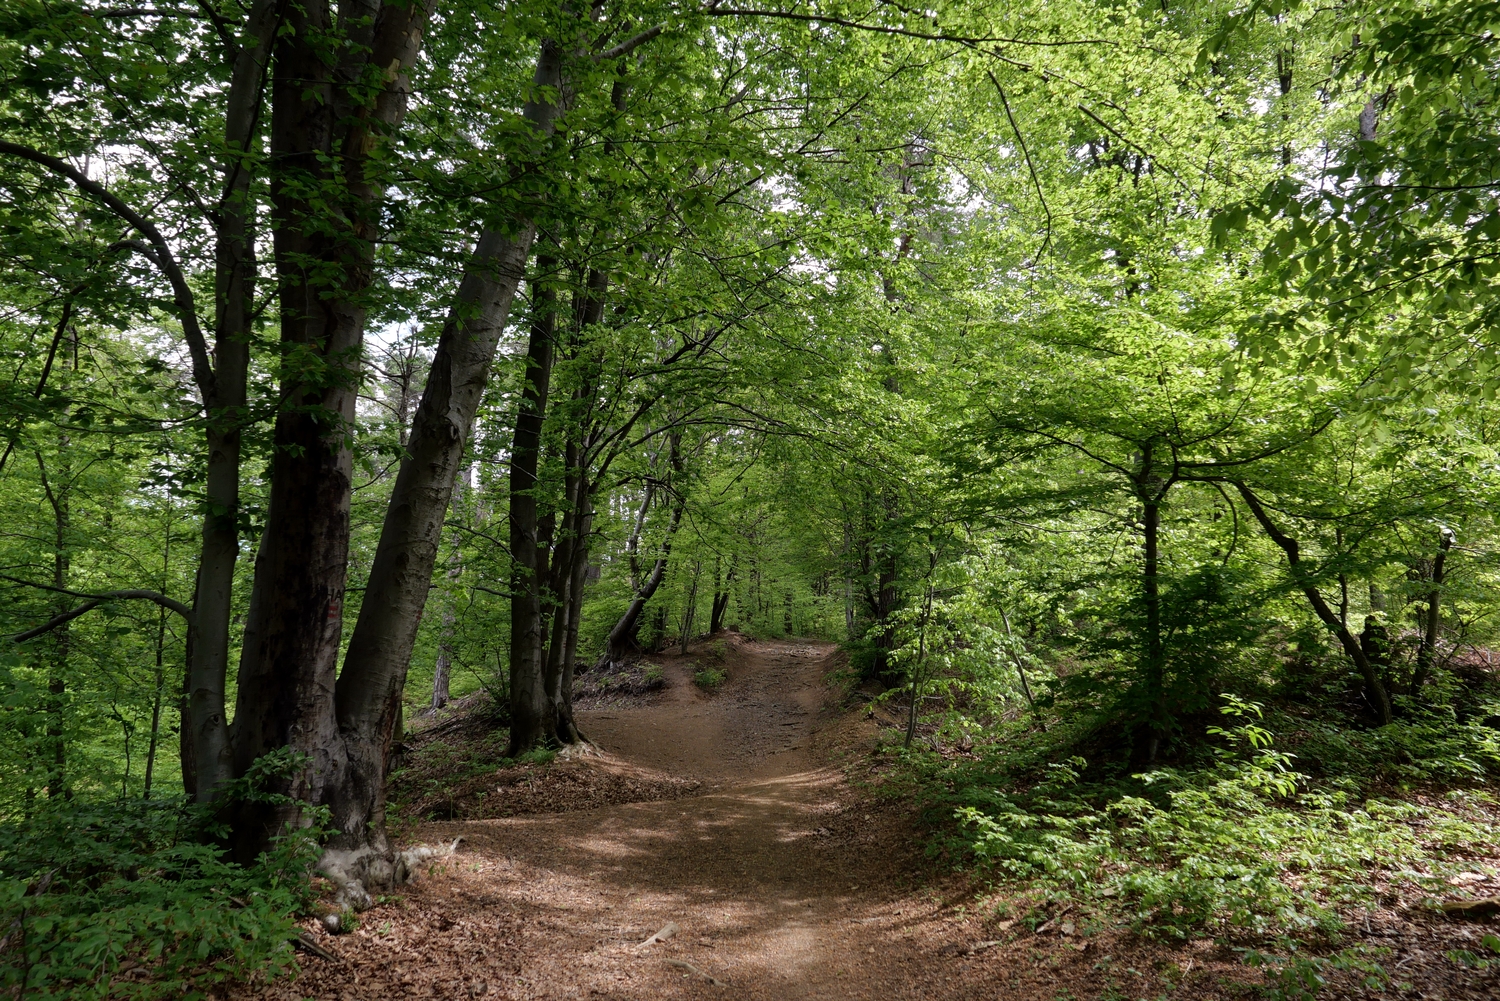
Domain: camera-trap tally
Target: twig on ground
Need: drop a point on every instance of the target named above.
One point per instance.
(667, 931)
(305, 942)
(681, 965)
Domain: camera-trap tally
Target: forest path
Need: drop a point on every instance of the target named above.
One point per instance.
(769, 876)
(780, 880)
(783, 884)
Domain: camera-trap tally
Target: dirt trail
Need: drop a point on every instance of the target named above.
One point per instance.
(762, 873)
(782, 883)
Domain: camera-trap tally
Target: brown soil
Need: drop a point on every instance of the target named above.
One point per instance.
(782, 882)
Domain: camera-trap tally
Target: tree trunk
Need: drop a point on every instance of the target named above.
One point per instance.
(57, 489)
(621, 637)
(369, 690)
(1434, 618)
(527, 693)
(1375, 690)
(204, 734)
(1150, 489)
(161, 681)
(716, 613)
(690, 609)
(560, 597)
(567, 727)
(441, 670)
(325, 126)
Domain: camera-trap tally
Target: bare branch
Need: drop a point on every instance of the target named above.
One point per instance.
(631, 44)
(93, 601)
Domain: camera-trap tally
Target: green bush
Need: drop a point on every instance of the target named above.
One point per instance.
(126, 900)
(709, 678)
(1246, 842)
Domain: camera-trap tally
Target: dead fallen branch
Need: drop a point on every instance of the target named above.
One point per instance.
(306, 944)
(690, 968)
(959, 949)
(667, 931)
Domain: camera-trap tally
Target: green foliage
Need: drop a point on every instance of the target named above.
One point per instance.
(1292, 975)
(129, 900)
(1245, 842)
(708, 677)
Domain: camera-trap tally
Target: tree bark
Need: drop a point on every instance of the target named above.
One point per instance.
(620, 640)
(527, 692)
(55, 705)
(325, 126)
(1151, 490)
(369, 689)
(567, 726)
(716, 613)
(1427, 651)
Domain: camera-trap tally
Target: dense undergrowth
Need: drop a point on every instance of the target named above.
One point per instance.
(133, 899)
(1272, 836)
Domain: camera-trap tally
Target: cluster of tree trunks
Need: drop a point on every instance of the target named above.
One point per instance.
(336, 86)
(327, 125)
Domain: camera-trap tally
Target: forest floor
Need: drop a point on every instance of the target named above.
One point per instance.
(780, 878)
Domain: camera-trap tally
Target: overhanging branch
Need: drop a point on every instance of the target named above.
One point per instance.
(182, 294)
(91, 602)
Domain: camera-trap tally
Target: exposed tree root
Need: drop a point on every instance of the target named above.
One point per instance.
(667, 931)
(360, 871)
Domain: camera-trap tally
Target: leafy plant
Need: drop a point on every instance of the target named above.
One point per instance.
(128, 900)
(1244, 842)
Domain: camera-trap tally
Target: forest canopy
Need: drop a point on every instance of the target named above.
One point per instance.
(1086, 370)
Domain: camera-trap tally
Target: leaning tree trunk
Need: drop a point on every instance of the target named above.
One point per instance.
(621, 638)
(369, 689)
(1375, 690)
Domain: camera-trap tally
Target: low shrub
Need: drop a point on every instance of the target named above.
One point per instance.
(708, 677)
(1246, 843)
(127, 900)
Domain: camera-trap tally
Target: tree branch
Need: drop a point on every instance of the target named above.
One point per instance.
(905, 32)
(93, 601)
(631, 44)
(182, 295)
(1036, 181)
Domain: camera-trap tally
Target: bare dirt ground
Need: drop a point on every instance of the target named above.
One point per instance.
(781, 881)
